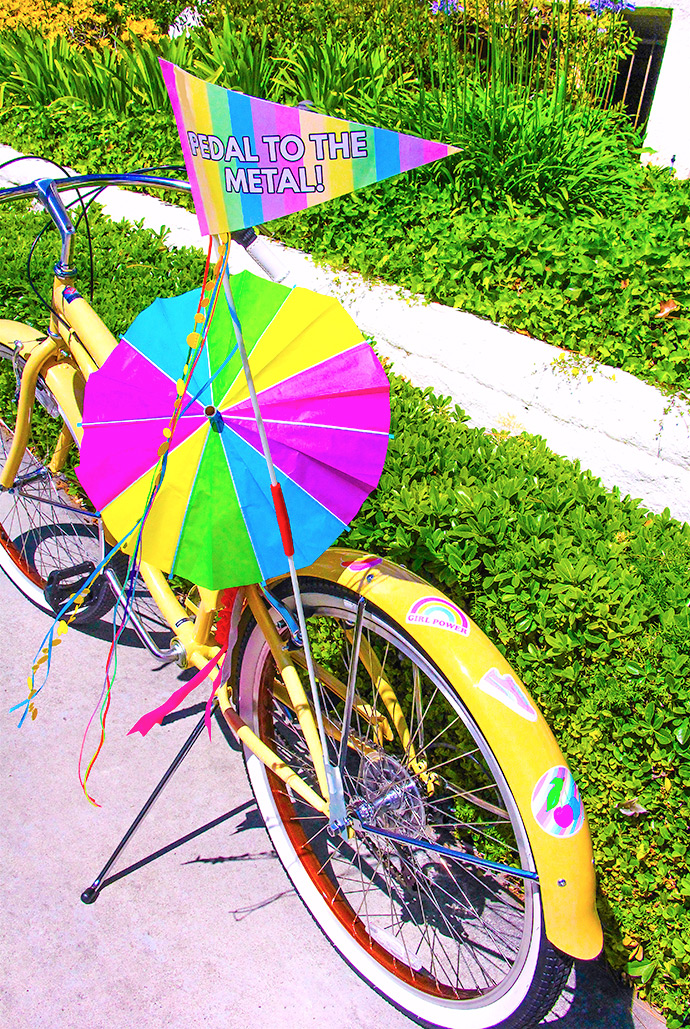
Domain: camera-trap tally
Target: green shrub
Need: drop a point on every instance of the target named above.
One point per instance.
(132, 268)
(510, 83)
(93, 140)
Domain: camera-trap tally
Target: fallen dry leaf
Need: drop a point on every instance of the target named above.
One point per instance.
(632, 808)
(667, 307)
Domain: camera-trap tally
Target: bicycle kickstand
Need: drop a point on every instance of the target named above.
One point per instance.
(91, 893)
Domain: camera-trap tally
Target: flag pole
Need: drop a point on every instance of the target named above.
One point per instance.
(336, 796)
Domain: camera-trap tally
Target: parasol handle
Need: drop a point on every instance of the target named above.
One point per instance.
(336, 795)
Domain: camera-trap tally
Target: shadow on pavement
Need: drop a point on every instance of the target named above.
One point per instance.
(181, 841)
(241, 913)
(599, 1002)
(198, 709)
(103, 630)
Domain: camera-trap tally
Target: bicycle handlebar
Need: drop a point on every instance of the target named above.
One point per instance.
(47, 191)
(31, 189)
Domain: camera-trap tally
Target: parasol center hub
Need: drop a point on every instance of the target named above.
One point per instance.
(215, 417)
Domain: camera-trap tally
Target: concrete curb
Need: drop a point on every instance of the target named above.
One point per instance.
(624, 430)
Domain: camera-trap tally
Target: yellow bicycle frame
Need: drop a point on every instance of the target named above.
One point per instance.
(77, 344)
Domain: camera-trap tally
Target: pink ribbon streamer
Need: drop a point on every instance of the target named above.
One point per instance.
(209, 705)
(234, 620)
(155, 717)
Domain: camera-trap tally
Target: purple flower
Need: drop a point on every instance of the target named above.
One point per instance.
(614, 6)
(446, 7)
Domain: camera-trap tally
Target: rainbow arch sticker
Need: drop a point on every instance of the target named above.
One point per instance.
(505, 689)
(438, 613)
(556, 803)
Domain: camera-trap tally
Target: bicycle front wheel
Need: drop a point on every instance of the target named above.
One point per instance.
(48, 539)
(453, 942)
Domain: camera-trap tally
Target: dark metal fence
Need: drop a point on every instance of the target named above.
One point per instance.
(638, 74)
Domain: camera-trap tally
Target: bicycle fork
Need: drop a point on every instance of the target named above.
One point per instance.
(27, 394)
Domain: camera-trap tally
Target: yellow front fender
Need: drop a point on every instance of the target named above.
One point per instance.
(524, 745)
(61, 374)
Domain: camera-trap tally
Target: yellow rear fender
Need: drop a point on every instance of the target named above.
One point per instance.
(525, 748)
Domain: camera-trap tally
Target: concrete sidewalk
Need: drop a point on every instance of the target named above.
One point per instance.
(209, 934)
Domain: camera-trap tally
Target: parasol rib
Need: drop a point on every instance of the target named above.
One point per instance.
(336, 797)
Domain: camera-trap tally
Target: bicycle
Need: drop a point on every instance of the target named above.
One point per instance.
(460, 884)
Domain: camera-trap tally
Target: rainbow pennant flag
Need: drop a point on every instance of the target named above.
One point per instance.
(251, 160)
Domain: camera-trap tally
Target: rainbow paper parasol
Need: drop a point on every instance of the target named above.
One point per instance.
(324, 400)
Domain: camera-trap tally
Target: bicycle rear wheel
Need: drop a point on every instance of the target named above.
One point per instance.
(48, 538)
(451, 943)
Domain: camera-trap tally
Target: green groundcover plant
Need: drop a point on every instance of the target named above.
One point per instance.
(614, 287)
(585, 592)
